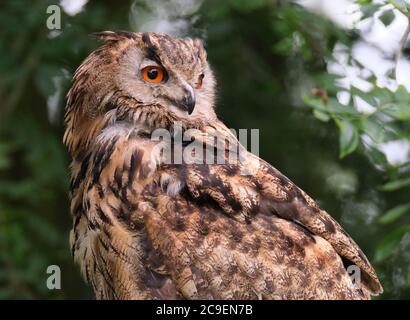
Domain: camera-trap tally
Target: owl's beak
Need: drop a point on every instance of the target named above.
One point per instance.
(188, 102)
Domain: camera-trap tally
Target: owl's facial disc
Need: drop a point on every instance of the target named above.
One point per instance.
(160, 71)
(173, 90)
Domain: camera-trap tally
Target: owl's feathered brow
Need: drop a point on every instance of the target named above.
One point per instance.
(145, 229)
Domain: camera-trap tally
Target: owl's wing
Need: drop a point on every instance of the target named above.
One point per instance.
(251, 187)
(208, 254)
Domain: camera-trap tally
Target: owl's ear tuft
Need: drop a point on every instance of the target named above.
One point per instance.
(198, 43)
(113, 36)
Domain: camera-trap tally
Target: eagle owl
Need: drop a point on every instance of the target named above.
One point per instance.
(144, 228)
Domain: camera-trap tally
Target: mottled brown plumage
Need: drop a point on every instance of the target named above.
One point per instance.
(144, 228)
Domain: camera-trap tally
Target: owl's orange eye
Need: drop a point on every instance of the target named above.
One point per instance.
(153, 74)
(198, 84)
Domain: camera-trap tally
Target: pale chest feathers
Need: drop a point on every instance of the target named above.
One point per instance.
(135, 160)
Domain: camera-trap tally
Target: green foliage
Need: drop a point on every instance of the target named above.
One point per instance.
(365, 132)
(390, 243)
(395, 213)
(395, 185)
(387, 17)
(401, 5)
(349, 137)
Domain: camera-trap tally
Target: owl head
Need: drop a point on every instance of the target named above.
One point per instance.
(146, 79)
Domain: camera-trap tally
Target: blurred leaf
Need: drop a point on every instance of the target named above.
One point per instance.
(369, 9)
(340, 109)
(376, 156)
(383, 95)
(363, 2)
(369, 97)
(320, 115)
(401, 5)
(398, 111)
(348, 139)
(395, 185)
(401, 94)
(374, 129)
(390, 243)
(332, 107)
(283, 46)
(387, 17)
(394, 213)
(316, 103)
